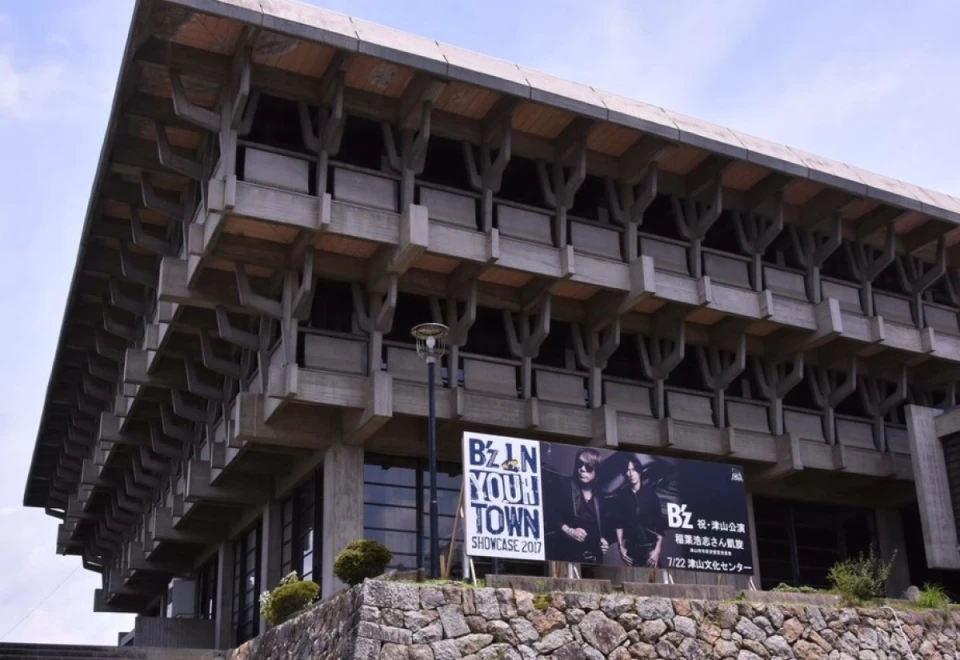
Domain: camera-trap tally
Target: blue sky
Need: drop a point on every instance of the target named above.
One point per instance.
(869, 83)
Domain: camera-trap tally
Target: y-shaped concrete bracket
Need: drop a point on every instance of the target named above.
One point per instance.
(142, 239)
(252, 344)
(719, 367)
(811, 252)
(374, 312)
(331, 118)
(829, 391)
(867, 263)
(559, 187)
(878, 401)
(459, 325)
(755, 234)
(293, 306)
(594, 353)
(916, 278)
(660, 355)
(694, 219)
(775, 381)
(627, 204)
(412, 154)
(488, 178)
(525, 343)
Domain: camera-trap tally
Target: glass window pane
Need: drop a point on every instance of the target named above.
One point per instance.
(398, 542)
(392, 495)
(397, 476)
(387, 517)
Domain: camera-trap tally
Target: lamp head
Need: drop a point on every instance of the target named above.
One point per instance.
(431, 340)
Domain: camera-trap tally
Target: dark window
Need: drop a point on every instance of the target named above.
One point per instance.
(521, 184)
(411, 310)
(488, 335)
(625, 361)
(332, 306)
(798, 542)
(889, 280)
(445, 164)
(591, 195)
(687, 374)
(301, 515)
(397, 513)
(722, 235)
(838, 266)
(659, 219)
(277, 123)
(362, 143)
(206, 606)
(553, 350)
(246, 584)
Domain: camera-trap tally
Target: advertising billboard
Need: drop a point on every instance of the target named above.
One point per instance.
(532, 500)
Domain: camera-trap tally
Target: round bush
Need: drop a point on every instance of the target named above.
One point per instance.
(360, 560)
(291, 596)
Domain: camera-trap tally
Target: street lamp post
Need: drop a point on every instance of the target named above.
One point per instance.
(431, 344)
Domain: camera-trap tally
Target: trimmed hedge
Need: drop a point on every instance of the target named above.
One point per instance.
(360, 560)
(288, 598)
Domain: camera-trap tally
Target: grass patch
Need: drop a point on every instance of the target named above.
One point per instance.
(933, 597)
(790, 589)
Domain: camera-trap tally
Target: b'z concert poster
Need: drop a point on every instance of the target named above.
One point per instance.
(542, 501)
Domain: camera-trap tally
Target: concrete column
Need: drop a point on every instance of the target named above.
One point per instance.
(342, 507)
(933, 489)
(890, 539)
(270, 549)
(224, 631)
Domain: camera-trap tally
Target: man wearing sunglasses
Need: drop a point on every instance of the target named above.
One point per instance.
(574, 519)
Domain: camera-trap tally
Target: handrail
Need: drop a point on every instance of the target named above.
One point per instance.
(903, 636)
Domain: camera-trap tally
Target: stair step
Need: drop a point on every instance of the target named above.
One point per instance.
(23, 651)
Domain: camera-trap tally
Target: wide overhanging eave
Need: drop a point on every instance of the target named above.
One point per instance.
(34, 482)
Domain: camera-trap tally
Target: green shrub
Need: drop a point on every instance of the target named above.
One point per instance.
(288, 598)
(360, 560)
(934, 597)
(789, 588)
(861, 579)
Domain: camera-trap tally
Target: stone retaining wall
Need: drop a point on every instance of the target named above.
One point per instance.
(384, 620)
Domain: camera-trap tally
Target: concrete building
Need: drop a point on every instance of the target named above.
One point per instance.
(283, 192)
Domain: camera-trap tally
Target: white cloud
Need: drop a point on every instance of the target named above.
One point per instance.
(27, 92)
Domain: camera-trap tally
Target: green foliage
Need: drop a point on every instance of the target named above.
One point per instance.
(933, 596)
(288, 598)
(360, 560)
(542, 602)
(861, 579)
(789, 588)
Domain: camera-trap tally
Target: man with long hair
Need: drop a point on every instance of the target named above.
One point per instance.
(574, 520)
(640, 522)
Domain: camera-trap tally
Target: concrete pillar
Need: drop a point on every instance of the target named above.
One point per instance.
(270, 549)
(933, 489)
(890, 539)
(224, 616)
(342, 507)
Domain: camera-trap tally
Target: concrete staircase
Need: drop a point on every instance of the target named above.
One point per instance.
(18, 651)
